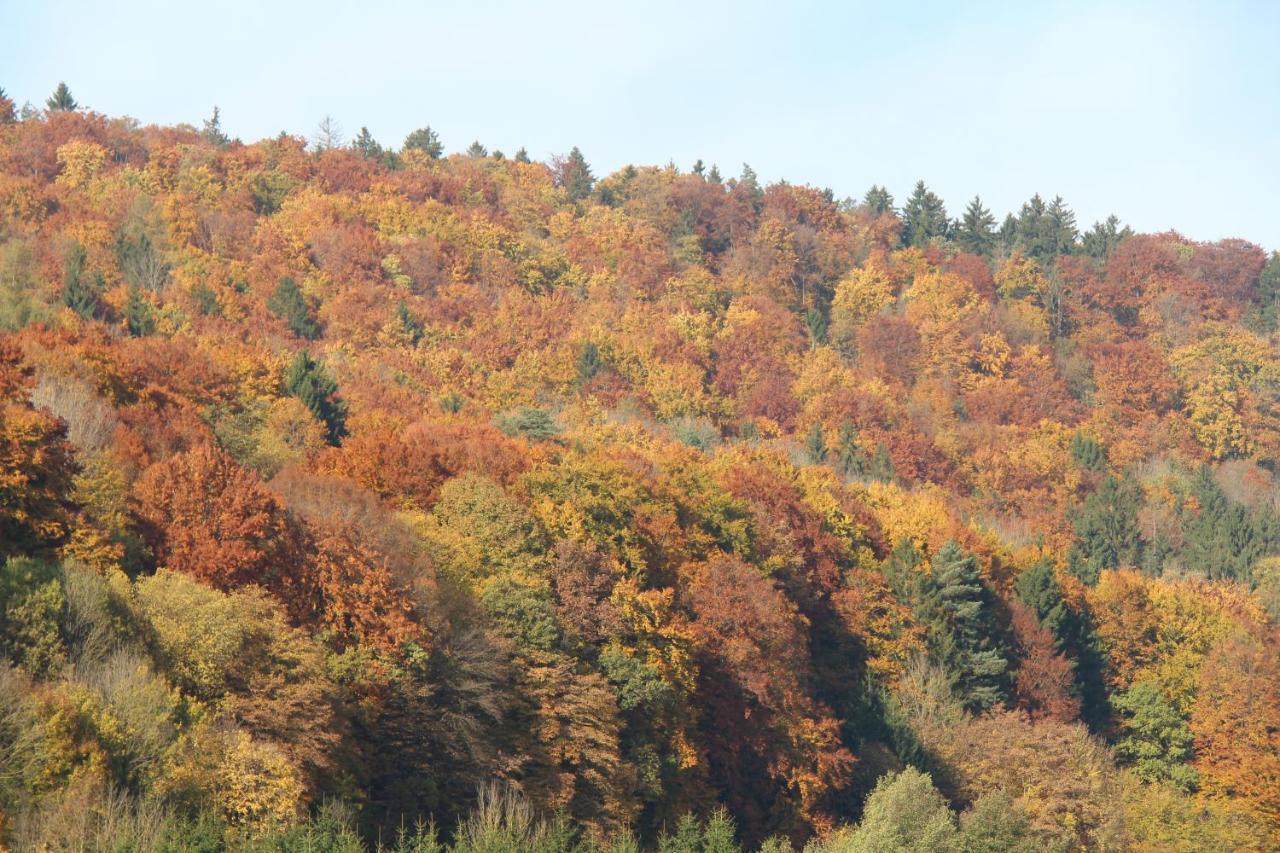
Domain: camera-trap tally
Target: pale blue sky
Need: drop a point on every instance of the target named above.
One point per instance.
(1166, 113)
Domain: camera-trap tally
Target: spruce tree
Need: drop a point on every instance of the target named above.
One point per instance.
(367, 146)
(61, 101)
(882, 465)
(1268, 291)
(1038, 588)
(411, 325)
(976, 232)
(1089, 453)
(714, 175)
(851, 457)
(76, 294)
(522, 156)
(878, 201)
(1061, 227)
(1099, 241)
(289, 305)
(575, 176)
(1106, 528)
(427, 141)
(815, 446)
(477, 151)
(924, 217)
(212, 131)
(589, 361)
(139, 319)
(960, 627)
(307, 380)
(1223, 539)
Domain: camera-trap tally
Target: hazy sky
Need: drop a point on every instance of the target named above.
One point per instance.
(1166, 113)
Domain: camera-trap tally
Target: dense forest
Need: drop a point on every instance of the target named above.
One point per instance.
(358, 497)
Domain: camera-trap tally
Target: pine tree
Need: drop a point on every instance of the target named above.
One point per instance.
(307, 380)
(976, 232)
(427, 141)
(288, 304)
(61, 101)
(878, 201)
(698, 167)
(960, 628)
(924, 217)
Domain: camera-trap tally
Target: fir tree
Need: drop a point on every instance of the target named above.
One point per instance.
(61, 101)
(307, 380)
(477, 151)
(924, 217)
(714, 175)
(522, 156)
(289, 305)
(976, 232)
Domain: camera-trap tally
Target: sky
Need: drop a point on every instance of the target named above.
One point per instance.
(1165, 113)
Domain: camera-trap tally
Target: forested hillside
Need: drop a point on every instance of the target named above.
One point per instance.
(358, 496)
